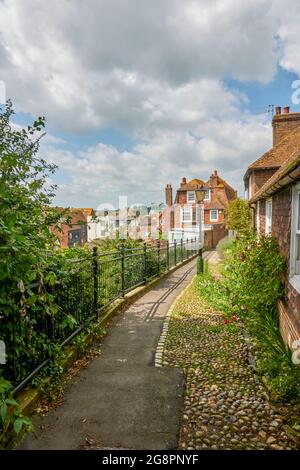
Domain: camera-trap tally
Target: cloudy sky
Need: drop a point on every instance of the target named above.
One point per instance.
(139, 93)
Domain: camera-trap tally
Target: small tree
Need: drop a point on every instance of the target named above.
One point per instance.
(238, 217)
(25, 213)
(26, 239)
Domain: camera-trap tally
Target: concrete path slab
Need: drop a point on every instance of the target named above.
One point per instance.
(121, 400)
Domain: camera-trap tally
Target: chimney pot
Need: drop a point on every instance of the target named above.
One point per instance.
(278, 109)
(216, 172)
(183, 180)
(286, 110)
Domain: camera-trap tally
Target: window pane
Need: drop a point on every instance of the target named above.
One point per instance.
(207, 195)
(186, 215)
(194, 214)
(213, 214)
(297, 267)
(191, 196)
(298, 224)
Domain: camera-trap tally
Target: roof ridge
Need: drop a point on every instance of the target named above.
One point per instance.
(274, 154)
(290, 160)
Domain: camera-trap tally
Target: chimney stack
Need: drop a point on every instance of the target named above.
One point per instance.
(284, 123)
(169, 195)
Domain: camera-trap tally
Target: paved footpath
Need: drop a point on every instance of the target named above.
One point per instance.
(121, 400)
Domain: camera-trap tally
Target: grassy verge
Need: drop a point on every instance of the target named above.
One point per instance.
(225, 406)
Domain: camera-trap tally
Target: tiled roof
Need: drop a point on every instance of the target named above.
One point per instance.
(215, 204)
(280, 178)
(277, 180)
(275, 157)
(191, 185)
(86, 210)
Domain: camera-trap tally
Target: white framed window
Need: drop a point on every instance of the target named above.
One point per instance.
(258, 217)
(250, 186)
(207, 196)
(268, 216)
(214, 215)
(186, 214)
(295, 239)
(190, 196)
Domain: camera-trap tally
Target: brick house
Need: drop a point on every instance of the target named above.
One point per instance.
(273, 187)
(74, 227)
(184, 214)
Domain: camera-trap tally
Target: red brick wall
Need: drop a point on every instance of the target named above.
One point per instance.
(219, 198)
(207, 217)
(76, 217)
(281, 220)
(258, 179)
(283, 124)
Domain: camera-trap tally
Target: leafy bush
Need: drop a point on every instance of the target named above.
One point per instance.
(238, 217)
(25, 242)
(250, 287)
(252, 275)
(225, 246)
(12, 421)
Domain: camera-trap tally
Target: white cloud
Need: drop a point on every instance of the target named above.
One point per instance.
(96, 63)
(102, 173)
(288, 13)
(155, 71)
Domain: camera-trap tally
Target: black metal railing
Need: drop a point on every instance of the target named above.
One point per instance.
(81, 292)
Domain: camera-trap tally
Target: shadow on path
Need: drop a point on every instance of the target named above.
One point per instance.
(121, 400)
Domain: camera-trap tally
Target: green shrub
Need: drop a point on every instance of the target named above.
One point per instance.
(252, 275)
(238, 217)
(12, 421)
(225, 246)
(250, 286)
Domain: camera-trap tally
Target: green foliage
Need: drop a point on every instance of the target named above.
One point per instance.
(250, 287)
(25, 235)
(238, 217)
(12, 421)
(213, 292)
(225, 246)
(200, 265)
(252, 275)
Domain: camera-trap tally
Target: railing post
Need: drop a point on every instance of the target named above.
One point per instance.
(187, 248)
(181, 250)
(200, 260)
(158, 256)
(95, 276)
(175, 252)
(168, 256)
(122, 255)
(145, 262)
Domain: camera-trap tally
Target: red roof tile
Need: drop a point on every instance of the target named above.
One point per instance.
(275, 157)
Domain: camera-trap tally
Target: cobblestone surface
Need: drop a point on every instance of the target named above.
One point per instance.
(226, 407)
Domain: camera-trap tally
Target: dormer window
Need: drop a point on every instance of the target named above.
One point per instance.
(191, 196)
